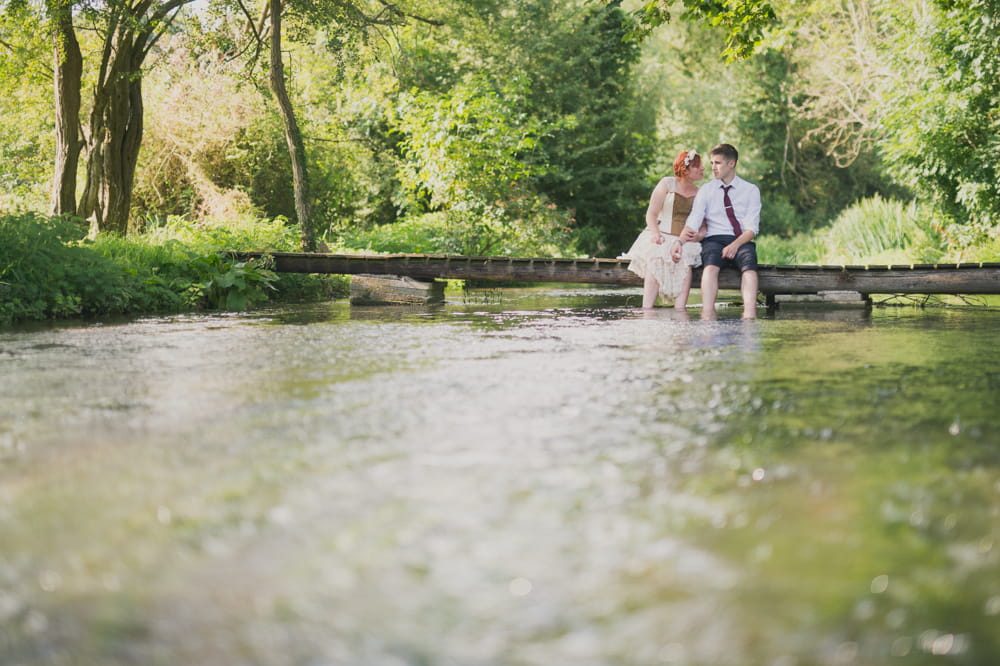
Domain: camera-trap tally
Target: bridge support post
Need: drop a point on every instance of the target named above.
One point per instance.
(394, 290)
(822, 298)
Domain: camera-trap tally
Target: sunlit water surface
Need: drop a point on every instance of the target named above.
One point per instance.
(526, 477)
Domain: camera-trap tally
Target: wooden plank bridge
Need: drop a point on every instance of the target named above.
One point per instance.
(968, 278)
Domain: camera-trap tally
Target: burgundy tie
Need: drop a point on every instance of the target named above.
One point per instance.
(730, 213)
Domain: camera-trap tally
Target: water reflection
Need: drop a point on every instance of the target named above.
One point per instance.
(553, 478)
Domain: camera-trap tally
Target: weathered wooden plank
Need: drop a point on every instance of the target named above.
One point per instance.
(774, 279)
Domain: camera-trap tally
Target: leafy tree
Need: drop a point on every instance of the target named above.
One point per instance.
(350, 20)
(128, 30)
(802, 169)
(26, 146)
(597, 147)
(563, 72)
(944, 128)
(213, 147)
(742, 23)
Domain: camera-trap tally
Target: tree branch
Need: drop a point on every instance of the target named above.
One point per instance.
(423, 19)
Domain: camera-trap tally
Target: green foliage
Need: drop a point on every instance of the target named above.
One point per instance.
(27, 137)
(231, 285)
(45, 274)
(599, 148)
(48, 271)
(541, 232)
(787, 161)
(509, 110)
(532, 127)
(212, 148)
(944, 127)
(804, 248)
(742, 22)
(466, 149)
(873, 231)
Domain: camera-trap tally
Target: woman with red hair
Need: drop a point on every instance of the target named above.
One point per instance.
(657, 255)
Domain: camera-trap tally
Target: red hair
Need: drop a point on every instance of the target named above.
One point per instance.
(680, 167)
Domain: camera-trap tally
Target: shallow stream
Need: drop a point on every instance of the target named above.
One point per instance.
(529, 477)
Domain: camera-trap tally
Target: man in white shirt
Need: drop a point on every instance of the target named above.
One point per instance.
(731, 207)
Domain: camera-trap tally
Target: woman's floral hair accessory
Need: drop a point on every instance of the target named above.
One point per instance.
(684, 160)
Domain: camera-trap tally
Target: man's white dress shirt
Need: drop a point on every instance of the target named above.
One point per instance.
(708, 205)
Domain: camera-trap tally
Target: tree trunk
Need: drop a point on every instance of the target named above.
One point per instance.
(68, 73)
(116, 125)
(116, 121)
(293, 135)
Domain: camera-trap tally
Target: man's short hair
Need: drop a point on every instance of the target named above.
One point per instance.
(726, 151)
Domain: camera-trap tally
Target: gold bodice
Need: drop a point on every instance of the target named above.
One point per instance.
(680, 212)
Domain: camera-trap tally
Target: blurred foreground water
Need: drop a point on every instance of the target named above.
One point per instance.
(526, 477)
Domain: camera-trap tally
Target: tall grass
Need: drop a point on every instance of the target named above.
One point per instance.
(873, 231)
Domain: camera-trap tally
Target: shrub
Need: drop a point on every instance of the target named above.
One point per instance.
(48, 271)
(530, 228)
(45, 274)
(878, 230)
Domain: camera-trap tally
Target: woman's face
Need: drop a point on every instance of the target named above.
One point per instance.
(696, 173)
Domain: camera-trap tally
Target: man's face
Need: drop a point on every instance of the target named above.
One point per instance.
(723, 169)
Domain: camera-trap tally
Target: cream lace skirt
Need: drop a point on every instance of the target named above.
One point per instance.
(649, 258)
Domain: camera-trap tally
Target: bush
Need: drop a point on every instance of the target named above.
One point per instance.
(800, 249)
(878, 230)
(45, 274)
(48, 271)
(540, 232)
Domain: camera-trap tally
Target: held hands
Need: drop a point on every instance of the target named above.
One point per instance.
(687, 235)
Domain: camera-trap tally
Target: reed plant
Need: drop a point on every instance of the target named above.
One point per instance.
(883, 231)
(872, 231)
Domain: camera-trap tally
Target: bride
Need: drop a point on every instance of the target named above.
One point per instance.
(656, 255)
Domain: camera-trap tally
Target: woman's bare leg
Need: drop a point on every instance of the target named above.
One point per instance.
(650, 291)
(681, 302)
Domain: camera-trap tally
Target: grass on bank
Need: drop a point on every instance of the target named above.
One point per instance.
(48, 270)
(879, 231)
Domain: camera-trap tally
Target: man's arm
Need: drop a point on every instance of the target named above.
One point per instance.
(752, 221)
(697, 214)
(751, 224)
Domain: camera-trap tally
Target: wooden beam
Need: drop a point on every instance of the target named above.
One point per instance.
(774, 279)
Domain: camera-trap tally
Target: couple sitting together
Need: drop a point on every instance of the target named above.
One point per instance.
(712, 226)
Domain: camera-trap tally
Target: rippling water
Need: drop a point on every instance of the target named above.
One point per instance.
(532, 477)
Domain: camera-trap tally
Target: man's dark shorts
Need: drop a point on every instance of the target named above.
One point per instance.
(711, 254)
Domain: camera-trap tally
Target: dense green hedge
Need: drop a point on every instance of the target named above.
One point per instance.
(49, 270)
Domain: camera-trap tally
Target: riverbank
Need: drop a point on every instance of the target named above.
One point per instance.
(49, 270)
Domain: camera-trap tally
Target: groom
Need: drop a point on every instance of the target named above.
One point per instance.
(731, 207)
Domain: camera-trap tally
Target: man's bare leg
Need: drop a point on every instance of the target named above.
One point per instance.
(709, 290)
(748, 289)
